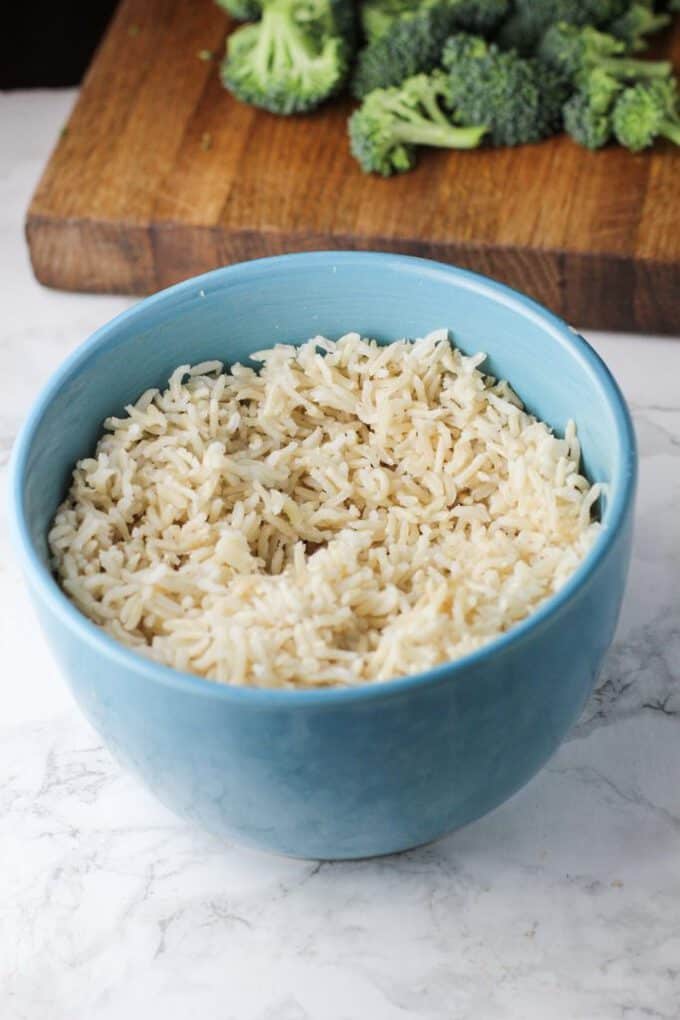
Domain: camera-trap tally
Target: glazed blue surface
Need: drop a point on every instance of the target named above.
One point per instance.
(335, 773)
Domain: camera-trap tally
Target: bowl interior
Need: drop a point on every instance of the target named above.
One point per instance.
(232, 312)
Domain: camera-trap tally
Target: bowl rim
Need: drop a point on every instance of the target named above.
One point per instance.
(42, 582)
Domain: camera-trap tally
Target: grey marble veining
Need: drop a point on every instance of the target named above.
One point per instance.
(564, 904)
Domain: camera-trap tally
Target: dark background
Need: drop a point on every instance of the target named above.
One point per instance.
(49, 44)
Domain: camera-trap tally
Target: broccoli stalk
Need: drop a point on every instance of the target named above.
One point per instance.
(290, 61)
(390, 123)
(575, 51)
(519, 100)
(645, 112)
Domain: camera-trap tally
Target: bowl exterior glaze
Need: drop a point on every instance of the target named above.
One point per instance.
(340, 773)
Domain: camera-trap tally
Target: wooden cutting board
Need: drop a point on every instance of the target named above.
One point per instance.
(160, 174)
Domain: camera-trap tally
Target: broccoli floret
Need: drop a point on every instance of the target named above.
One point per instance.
(581, 122)
(532, 18)
(639, 21)
(378, 16)
(588, 113)
(333, 17)
(520, 32)
(242, 10)
(481, 16)
(291, 60)
(390, 123)
(463, 48)
(412, 43)
(574, 51)
(645, 112)
(518, 99)
(575, 12)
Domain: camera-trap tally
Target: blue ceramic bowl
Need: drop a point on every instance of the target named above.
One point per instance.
(335, 773)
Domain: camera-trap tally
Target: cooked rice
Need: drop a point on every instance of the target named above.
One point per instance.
(350, 513)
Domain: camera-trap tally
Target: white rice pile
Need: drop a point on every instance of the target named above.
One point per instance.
(350, 513)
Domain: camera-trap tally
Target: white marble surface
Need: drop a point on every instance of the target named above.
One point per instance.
(564, 904)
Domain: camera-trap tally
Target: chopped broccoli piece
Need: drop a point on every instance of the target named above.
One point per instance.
(411, 45)
(390, 123)
(242, 10)
(481, 16)
(639, 21)
(378, 16)
(463, 48)
(334, 17)
(519, 100)
(291, 60)
(576, 12)
(601, 89)
(520, 32)
(574, 51)
(413, 41)
(532, 18)
(588, 113)
(588, 128)
(645, 112)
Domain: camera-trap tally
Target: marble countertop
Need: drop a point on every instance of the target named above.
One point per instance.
(564, 904)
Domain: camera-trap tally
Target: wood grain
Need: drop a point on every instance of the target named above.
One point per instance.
(161, 175)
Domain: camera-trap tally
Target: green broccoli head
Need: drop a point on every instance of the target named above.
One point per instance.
(582, 123)
(645, 112)
(519, 100)
(378, 16)
(574, 51)
(576, 12)
(480, 16)
(390, 123)
(601, 89)
(639, 21)
(242, 10)
(291, 60)
(411, 45)
(531, 19)
(484, 16)
(520, 32)
(588, 113)
(463, 48)
(334, 17)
